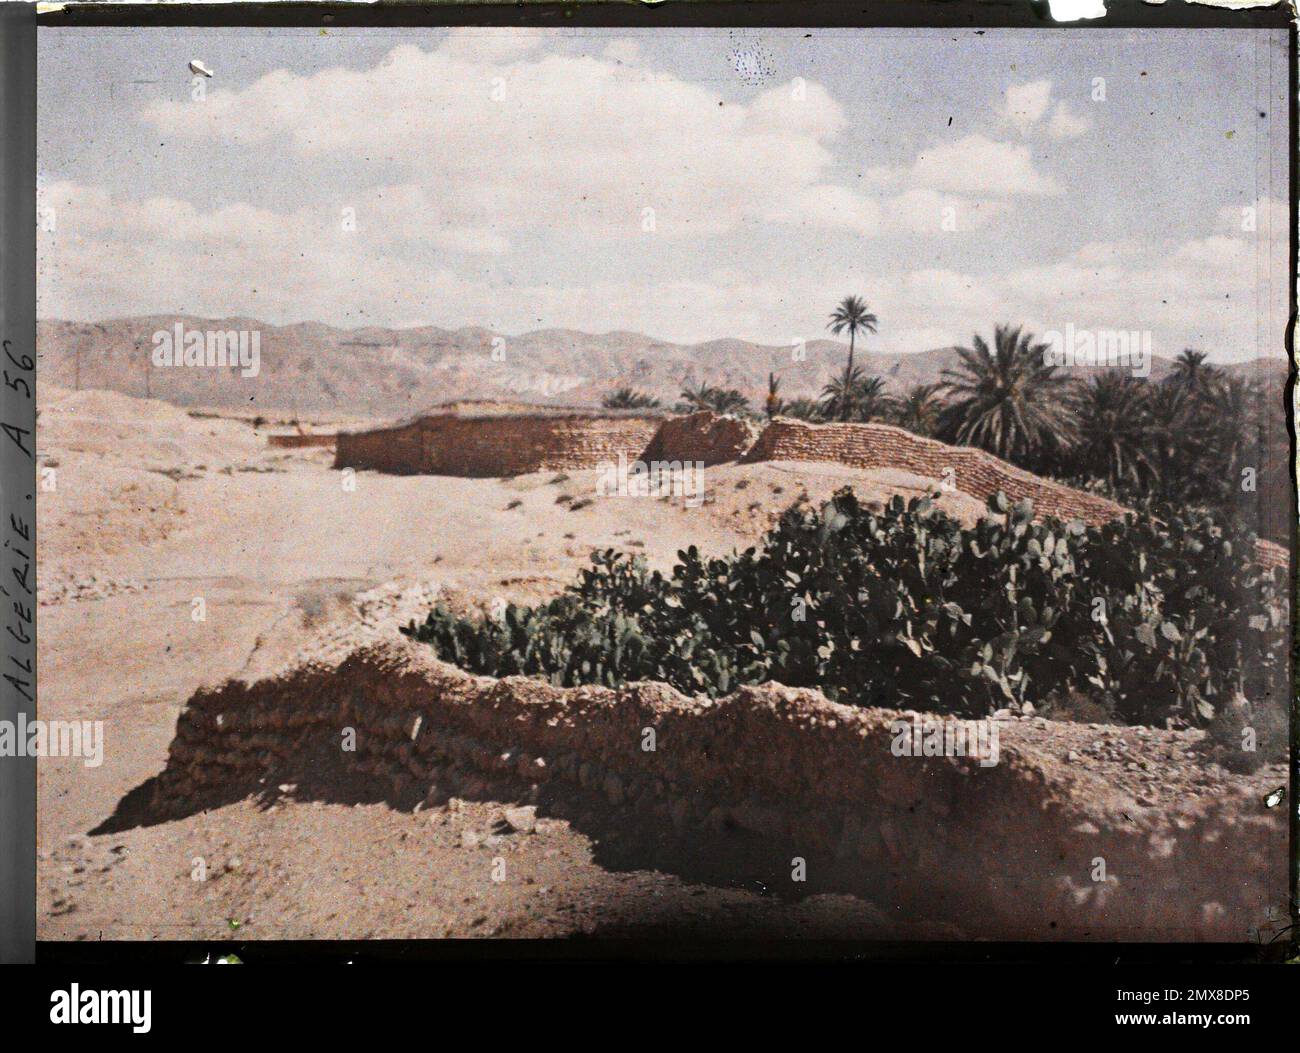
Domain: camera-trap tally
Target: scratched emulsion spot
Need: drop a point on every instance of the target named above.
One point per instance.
(752, 61)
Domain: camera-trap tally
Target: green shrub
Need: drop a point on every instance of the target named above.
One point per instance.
(905, 607)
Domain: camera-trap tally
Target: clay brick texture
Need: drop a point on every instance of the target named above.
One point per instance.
(703, 436)
(972, 471)
(498, 445)
(295, 442)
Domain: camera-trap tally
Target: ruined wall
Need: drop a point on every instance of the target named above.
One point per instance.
(295, 442)
(396, 449)
(497, 445)
(1004, 851)
(703, 436)
(518, 445)
(974, 472)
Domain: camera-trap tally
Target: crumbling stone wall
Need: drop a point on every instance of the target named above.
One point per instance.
(488, 446)
(1003, 851)
(972, 471)
(398, 449)
(294, 442)
(517, 445)
(705, 436)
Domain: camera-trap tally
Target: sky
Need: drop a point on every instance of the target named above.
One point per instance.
(690, 184)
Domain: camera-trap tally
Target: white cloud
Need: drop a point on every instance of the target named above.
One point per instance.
(1025, 104)
(162, 255)
(1215, 253)
(510, 139)
(977, 165)
(1102, 253)
(1066, 124)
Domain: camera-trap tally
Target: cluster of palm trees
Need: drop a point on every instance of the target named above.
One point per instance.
(694, 397)
(1185, 439)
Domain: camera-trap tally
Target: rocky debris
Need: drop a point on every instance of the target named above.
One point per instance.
(89, 587)
(394, 604)
(522, 819)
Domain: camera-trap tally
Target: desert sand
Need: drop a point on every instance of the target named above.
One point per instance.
(153, 512)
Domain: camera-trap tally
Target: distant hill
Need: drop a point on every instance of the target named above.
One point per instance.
(314, 368)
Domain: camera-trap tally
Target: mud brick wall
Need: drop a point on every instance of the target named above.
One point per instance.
(974, 472)
(297, 441)
(398, 450)
(1004, 851)
(704, 436)
(497, 445)
(517, 445)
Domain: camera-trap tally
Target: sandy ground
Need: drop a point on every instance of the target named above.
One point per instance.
(152, 517)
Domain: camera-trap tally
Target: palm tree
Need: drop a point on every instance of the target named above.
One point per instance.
(1114, 429)
(729, 400)
(852, 315)
(629, 398)
(1169, 412)
(918, 409)
(719, 400)
(803, 409)
(854, 396)
(1232, 434)
(1191, 372)
(1007, 399)
(774, 404)
(696, 398)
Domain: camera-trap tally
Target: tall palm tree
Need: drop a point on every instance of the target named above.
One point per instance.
(852, 316)
(1233, 435)
(1169, 413)
(918, 409)
(1114, 429)
(1007, 399)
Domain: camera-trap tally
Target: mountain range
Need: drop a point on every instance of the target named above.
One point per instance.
(312, 368)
